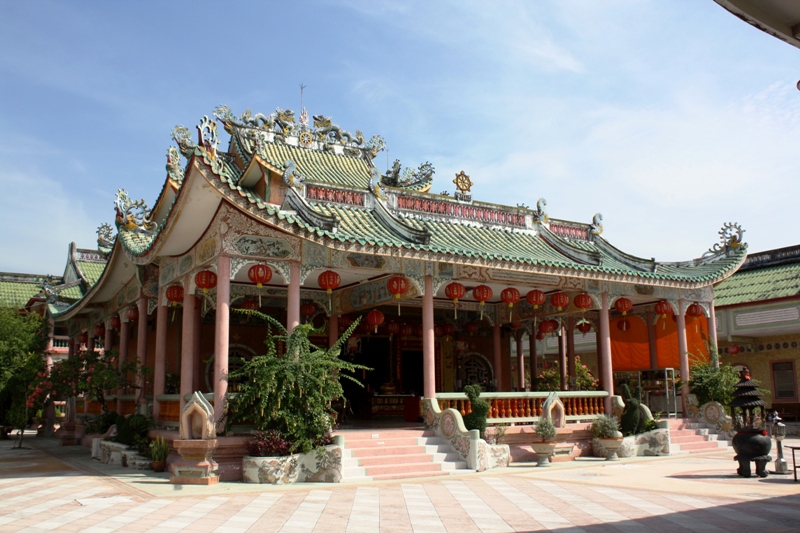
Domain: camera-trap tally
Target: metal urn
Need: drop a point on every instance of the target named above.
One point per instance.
(751, 441)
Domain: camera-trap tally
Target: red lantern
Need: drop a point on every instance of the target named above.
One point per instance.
(362, 327)
(115, 322)
(308, 309)
(583, 302)
(406, 330)
(733, 349)
(206, 280)
(695, 310)
(392, 327)
(547, 326)
(455, 291)
(398, 286)
(259, 274)
(174, 294)
(584, 327)
(516, 325)
(99, 330)
(540, 335)
(482, 293)
(663, 308)
(535, 298)
(375, 319)
(418, 331)
(438, 331)
(83, 338)
(344, 321)
(623, 305)
(623, 325)
(251, 305)
(510, 296)
(132, 313)
(329, 280)
(449, 329)
(559, 300)
(471, 328)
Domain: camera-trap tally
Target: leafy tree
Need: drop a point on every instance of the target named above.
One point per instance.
(550, 379)
(709, 382)
(291, 392)
(22, 340)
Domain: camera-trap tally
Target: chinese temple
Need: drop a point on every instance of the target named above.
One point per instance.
(295, 218)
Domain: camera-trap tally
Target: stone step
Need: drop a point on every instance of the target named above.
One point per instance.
(368, 435)
(381, 443)
(382, 460)
(703, 446)
(409, 468)
(409, 475)
(389, 450)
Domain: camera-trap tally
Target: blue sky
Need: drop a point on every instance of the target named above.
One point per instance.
(669, 118)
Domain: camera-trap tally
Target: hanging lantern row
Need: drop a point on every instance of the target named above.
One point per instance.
(345, 321)
(375, 319)
(406, 330)
(663, 308)
(548, 326)
(392, 328)
(540, 335)
(250, 305)
(259, 274)
(206, 280)
(695, 310)
(174, 295)
(482, 293)
(510, 296)
(535, 298)
(623, 305)
(397, 286)
(132, 313)
(449, 329)
(455, 291)
(83, 338)
(471, 328)
(584, 327)
(115, 322)
(330, 281)
(308, 309)
(100, 330)
(583, 302)
(559, 300)
(438, 331)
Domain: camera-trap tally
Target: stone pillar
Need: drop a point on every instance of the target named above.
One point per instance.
(141, 349)
(222, 328)
(497, 359)
(520, 362)
(199, 367)
(293, 296)
(90, 343)
(333, 330)
(534, 361)
(604, 342)
(160, 370)
(71, 348)
(571, 372)
(187, 346)
(89, 349)
(108, 340)
(124, 332)
(683, 353)
(651, 340)
(562, 355)
(428, 355)
(712, 328)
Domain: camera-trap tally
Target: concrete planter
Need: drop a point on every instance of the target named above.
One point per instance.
(543, 450)
(611, 446)
(273, 470)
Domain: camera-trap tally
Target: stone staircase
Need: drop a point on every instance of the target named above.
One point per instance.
(689, 435)
(379, 454)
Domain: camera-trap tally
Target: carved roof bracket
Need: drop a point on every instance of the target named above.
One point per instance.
(397, 226)
(294, 202)
(636, 263)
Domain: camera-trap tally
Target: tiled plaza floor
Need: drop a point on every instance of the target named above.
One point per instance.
(47, 487)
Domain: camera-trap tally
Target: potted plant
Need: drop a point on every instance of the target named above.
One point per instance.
(545, 431)
(606, 430)
(289, 395)
(159, 450)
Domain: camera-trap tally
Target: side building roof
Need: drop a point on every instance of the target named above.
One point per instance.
(763, 276)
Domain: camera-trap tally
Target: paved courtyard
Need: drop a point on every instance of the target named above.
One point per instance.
(47, 487)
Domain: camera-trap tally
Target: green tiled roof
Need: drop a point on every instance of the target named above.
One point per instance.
(91, 270)
(16, 294)
(759, 284)
(72, 293)
(319, 167)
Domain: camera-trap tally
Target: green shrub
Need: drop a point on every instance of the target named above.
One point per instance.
(159, 449)
(605, 427)
(631, 422)
(132, 431)
(712, 384)
(545, 430)
(480, 410)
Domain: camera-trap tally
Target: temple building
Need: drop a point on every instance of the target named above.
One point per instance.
(295, 219)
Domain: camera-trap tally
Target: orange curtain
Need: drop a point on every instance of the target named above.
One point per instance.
(630, 349)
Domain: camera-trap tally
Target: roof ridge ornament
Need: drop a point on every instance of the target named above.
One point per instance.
(730, 238)
(174, 168)
(105, 237)
(375, 183)
(464, 185)
(50, 289)
(290, 179)
(134, 216)
(540, 214)
(597, 224)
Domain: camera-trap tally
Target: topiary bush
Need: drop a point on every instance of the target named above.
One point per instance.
(132, 431)
(605, 427)
(545, 430)
(631, 422)
(480, 410)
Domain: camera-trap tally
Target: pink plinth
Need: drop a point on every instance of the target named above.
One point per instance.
(196, 465)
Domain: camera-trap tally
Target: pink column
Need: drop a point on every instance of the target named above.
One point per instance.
(89, 349)
(222, 330)
(333, 330)
(141, 349)
(124, 331)
(651, 340)
(199, 367)
(497, 360)
(683, 353)
(604, 343)
(563, 365)
(520, 362)
(187, 346)
(712, 328)
(90, 344)
(534, 361)
(293, 296)
(71, 348)
(428, 356)
(160, 364)
(571, 372)
(108, 340)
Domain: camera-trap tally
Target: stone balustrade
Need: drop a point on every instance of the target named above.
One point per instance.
(510, 407)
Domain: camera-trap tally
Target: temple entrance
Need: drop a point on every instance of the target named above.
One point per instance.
(412, 372)
(475, 368)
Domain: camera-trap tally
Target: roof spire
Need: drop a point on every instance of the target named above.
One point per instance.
(303, 113)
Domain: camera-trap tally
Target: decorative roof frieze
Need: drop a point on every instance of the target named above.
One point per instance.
(455, 210)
